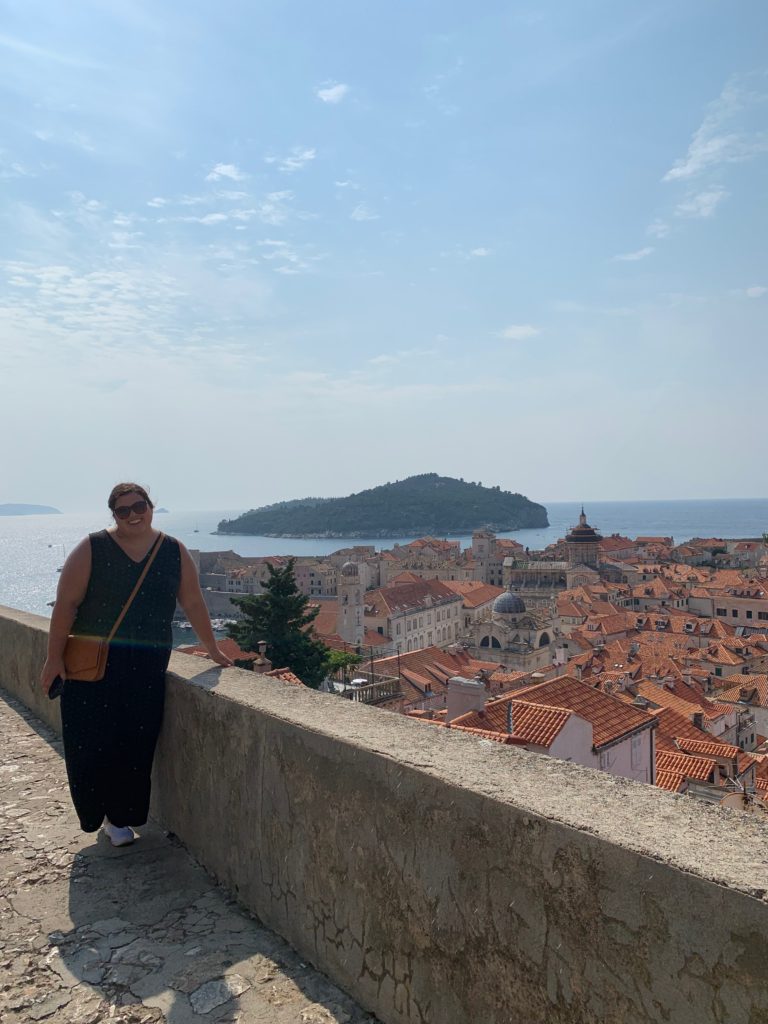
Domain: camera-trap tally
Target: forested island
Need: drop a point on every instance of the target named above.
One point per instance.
(29, 510)
(418, 506)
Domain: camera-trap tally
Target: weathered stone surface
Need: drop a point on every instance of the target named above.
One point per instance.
(214, 993)
(94, 935)
(439, 880)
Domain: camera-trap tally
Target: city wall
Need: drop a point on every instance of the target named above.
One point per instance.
(442, 880)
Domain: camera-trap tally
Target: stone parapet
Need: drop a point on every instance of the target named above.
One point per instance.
(443, 880)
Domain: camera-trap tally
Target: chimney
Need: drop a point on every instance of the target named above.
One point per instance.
(510, 718)
(464, 695)
(698, 720)
(262, 645)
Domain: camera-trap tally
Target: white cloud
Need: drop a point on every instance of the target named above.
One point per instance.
(657, 229)
(639, 254)
(519, 332)
(125, 240)
(756, 291)
(701, 204)
(10, 168)
(230, 171)
(28, 50)
(297, 159)
(726, 134)
(208, 218)
(157, 202)
(481, 251)
(332, 93)
(363, 212)
(273, 210)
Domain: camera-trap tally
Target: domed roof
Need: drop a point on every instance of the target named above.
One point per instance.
(349, 569)
(509, 603)
(583, 533)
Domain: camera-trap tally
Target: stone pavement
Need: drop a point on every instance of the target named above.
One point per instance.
(90, 933)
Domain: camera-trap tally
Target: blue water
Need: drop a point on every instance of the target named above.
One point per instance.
(32, 547)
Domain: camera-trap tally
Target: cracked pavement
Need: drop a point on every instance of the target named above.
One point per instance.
(90, 933)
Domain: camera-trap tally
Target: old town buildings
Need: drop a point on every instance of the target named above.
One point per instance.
(633, 656)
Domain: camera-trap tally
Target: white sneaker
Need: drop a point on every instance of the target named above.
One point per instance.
(119, 836)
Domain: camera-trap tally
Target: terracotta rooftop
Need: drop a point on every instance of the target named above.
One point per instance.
(754, 688)
(609, 717)
(474, 593)
(687, 765)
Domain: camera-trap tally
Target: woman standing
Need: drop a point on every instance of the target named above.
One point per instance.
(110, 728)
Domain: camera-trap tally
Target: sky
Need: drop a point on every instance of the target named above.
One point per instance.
(251, 252)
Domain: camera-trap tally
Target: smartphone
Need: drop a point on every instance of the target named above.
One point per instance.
(56, 688)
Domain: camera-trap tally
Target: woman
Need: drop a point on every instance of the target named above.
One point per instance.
(110, 727)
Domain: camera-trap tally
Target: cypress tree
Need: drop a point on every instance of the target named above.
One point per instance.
(281, 617)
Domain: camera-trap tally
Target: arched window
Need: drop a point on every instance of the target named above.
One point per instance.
(544, 640)
(485, 642)
(495, 642)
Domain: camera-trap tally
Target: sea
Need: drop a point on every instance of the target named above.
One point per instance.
(33, 547)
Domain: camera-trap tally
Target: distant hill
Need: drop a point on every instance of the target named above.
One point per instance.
(29, 510)
(420, 505)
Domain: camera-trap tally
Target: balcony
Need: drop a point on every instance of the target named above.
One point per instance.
(376, 689)
(432, 877)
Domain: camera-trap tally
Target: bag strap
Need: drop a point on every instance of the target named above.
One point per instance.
(134, 592)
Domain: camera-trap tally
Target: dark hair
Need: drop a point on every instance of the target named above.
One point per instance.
(127, 488)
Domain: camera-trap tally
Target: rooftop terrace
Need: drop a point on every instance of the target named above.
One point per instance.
(434, 878)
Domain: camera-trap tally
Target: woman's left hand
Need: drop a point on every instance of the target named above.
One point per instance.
(220, 657)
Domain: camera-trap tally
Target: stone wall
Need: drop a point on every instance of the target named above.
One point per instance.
(442, 880)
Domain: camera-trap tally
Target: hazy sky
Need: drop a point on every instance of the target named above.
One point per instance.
(253, 251)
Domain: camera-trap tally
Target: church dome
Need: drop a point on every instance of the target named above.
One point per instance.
(509, 604)
(583, 533)
(349, 569)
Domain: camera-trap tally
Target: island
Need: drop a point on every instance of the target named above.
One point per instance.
(161, 510)
(422, 505)
(29, 510)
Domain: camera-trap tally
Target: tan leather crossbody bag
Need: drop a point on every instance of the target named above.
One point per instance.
(85, 657)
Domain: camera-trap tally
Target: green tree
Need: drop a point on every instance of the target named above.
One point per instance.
(281, 616)
(341, 661)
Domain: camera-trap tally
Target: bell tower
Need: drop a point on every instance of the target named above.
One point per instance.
(349, 616)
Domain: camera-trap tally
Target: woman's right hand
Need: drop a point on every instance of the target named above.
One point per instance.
(53, 667)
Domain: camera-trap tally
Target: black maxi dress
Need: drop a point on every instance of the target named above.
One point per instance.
(110, 728)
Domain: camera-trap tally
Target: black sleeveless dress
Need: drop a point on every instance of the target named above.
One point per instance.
(110, 728)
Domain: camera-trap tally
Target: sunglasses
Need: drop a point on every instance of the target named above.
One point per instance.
(123, 511)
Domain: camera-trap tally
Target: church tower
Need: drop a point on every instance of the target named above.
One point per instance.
(349, 616)
(583, 541)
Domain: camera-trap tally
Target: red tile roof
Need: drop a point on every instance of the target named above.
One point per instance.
(538, 724)
(473, 592)
(286, 675)
(754, 688)
(690, 767)
(671, 781)
(709, 748)
(408, 596)
(610, 717)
